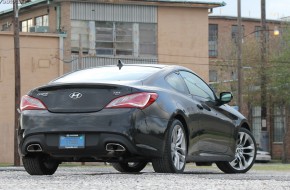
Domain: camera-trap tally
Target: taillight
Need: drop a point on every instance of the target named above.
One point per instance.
(138, 100)
(29, 103)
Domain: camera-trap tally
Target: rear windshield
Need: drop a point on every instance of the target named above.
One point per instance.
(105, 74)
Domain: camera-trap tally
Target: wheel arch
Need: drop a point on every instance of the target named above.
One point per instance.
(180, 117)
(246, 125)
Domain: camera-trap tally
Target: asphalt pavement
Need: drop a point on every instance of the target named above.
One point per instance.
(105, 178)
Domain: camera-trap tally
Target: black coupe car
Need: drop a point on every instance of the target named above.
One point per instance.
(130, 115)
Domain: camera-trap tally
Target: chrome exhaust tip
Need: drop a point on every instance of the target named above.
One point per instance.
(34, 148)
(115, 147)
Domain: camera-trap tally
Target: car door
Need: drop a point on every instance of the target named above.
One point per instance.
(215, 128)
(175, 80)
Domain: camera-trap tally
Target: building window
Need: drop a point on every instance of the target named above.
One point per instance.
(213, 40)
(6, 27)
(125, 39)
(41, 20)
(256, 123)
(235, 33)
(213, 76)
(234, 75)
(123, 42)
(258, 32)
(105, 38)
(80, 36)
(147, 40)
(25, 25)
(279, 123)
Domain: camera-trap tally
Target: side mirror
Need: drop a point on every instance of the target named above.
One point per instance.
(225, 97)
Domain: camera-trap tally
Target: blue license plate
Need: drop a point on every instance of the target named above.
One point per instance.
(72, 141)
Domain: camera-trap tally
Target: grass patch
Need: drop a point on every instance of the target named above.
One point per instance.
(272, 167)
(5, 165)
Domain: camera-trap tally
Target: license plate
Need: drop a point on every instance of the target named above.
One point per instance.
(71, 141)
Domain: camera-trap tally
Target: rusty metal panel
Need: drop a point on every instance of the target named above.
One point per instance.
(113, 12)
(89, 62)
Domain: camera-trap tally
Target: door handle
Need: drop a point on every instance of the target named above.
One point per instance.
(199, 106)
(206, 107)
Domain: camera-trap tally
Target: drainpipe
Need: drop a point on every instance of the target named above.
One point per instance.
(58, 18)
(61, 53)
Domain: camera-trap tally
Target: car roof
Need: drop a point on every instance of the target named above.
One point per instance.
(157, 65)
(161, 66)
(82, 78)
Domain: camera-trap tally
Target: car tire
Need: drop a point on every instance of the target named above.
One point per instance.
(39, 165)
(244, 156)
(173, 159)
(129, 166)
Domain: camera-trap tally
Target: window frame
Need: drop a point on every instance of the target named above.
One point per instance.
(146, 43)
(5, 27)
(134, 41)
(42, 20)
(256, 122)
(182, 81)
(278, 129)
(258, 32)
(213, 40)
(27, 25)
(213, 75)
(234, 33)
(213, 98)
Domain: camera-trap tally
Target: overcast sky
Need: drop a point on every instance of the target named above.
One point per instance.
(275, 9)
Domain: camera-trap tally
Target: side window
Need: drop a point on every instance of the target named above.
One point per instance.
(197, 86)
(176, 82)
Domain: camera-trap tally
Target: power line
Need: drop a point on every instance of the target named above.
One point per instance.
(212, 62)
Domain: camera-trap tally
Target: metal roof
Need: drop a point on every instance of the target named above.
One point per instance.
(184, 3)
(29, 4)
(178, 3)
(225, 17)
(188, 1)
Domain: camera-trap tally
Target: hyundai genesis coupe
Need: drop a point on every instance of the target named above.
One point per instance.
(130, 115)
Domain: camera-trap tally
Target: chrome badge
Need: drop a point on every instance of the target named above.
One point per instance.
(42, 94)
(75, 95)
(116, 93)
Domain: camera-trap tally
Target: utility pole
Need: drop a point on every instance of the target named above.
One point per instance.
(263, 66)
(17, 81)
(239, 54)
(80, 60)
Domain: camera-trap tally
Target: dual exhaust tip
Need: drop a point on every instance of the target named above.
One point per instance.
(115, 147)
(110, 147)
(34, 148)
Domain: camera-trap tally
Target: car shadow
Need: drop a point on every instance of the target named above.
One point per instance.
(154, 173)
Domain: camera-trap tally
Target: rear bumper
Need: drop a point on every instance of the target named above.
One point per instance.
(141, 136)
(94, 149)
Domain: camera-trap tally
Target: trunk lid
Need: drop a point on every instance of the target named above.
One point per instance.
(79, 98)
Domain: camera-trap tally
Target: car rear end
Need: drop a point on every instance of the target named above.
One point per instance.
(89, 121)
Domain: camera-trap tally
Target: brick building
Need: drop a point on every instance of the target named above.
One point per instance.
(37, 67)
(98, 32)
(223, 75)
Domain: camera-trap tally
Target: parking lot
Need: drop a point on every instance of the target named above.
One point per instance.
(105, 177)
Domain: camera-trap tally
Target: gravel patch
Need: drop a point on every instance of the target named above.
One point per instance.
(105, 177)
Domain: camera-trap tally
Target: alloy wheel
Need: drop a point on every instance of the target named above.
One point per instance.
(245, 152)
(178, 147)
